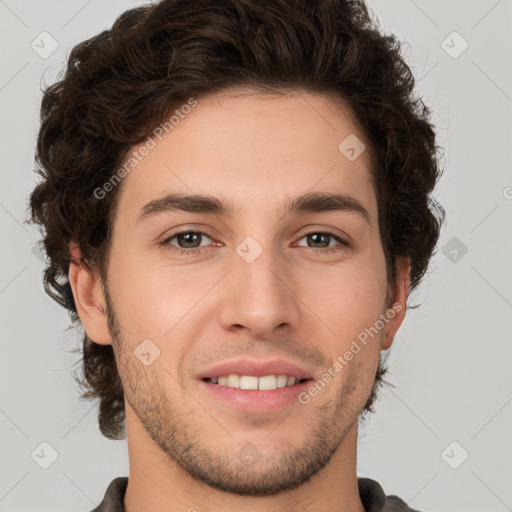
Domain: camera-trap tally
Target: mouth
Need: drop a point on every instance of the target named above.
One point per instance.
(251, 394)
(258, 386)
(253, 382)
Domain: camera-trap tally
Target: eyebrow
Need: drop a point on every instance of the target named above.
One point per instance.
(316, 202)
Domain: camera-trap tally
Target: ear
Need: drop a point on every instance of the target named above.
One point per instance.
(398, 302)
(89, 299)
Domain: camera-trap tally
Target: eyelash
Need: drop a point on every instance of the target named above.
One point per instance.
(343, 243)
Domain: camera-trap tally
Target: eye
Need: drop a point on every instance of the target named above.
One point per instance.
(186, 241)
(322, 240)
(189, 242)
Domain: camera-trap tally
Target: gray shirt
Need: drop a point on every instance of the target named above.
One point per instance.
(370, 491)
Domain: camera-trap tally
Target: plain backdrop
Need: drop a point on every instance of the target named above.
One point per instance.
(441, 437)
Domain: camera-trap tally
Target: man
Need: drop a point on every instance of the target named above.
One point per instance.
(235, 203)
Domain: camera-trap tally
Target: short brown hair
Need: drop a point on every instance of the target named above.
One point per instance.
(122, 83)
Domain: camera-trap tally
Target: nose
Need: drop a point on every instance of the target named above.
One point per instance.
(259, 296)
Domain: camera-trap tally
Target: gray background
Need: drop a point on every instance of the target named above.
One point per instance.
(451, 360)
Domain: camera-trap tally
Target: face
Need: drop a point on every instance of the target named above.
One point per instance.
(258, 286)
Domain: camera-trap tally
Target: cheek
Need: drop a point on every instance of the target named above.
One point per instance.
(154, 300)
(347, 297)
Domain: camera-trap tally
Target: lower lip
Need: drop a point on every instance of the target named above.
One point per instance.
(248, 400)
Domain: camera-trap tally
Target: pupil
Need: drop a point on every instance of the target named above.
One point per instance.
(190, 238)
(315, 239)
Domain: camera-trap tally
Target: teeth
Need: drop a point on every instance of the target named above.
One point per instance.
(233, 381)
(267, 382)
(246, 382)
(281, 381)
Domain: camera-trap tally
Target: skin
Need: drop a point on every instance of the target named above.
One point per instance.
(294, 301)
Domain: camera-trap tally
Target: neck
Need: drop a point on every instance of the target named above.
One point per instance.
(158, 484)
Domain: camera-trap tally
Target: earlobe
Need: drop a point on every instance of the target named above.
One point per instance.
(89, 299)
(396, 313)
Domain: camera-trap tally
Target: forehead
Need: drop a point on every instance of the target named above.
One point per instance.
(254, 150)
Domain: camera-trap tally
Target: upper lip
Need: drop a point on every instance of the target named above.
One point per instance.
(257, 368)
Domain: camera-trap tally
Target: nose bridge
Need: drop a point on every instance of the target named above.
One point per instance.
(259, 292)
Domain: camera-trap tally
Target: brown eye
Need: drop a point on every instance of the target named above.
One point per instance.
(319, 239)
(322, 240)
(187, 240)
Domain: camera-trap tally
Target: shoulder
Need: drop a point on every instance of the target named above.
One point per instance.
(375, 500)
(113, 501)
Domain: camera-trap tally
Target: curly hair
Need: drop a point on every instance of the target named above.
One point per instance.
(122, 83)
